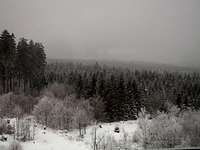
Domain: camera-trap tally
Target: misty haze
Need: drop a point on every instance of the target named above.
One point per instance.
(156, 31)
(99, 74)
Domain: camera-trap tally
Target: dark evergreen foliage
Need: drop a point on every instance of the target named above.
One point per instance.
(7, 59)
(124, 91)
(24, 63)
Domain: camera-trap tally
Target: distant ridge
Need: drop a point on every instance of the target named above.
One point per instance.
(132, 65)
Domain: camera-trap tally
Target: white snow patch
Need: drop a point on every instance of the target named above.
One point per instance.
(52, 141)
(56, 140)
(127, 128)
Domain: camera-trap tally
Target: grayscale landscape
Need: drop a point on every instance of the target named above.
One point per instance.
(99, 74)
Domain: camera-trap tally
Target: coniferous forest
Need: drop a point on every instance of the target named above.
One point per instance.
(120, 91)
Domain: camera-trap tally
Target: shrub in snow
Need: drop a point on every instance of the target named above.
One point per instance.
(10, 129)
(98, 108)
(25, 130)
(6, 105)
(3, 126)
(190, 121)
(56, 90)
(163, 131)
(67, 114)
(42, 110)
(143, 122)
(13, 106)
(172, 129)
(110, 140)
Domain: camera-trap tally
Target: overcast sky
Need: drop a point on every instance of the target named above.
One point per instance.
(166, 31)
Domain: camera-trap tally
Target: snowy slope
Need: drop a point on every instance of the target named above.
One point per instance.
(54, 140)
(106, 132)
(125, 127)
(51, 140)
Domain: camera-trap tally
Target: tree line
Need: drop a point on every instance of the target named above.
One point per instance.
(119, 92)
(22, 63)
(123, 91)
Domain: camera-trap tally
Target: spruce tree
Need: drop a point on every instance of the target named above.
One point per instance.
(7, 58)
(23, 61)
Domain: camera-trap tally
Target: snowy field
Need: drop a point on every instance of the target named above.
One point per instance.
(55, 140)
(126, 128)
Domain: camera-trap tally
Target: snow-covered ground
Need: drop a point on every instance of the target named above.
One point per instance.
(126, 128)
(54, 140)
(50, 140)
(106, 132)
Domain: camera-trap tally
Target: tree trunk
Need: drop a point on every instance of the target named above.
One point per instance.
(19, 81)
(7, 85)
(4, 84)
(95, 137)
(79, 128)
(24, 85)
(11, 84)
(3, 79)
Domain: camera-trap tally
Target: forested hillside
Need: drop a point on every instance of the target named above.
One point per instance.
(120, 92)
(70, 95)
(125, 92)
(22, 64)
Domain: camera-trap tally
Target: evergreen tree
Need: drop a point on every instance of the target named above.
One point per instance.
(23, 61)
(31, 62)
(79, 86)
(130, 100)
(7, 58)
(38, 63)
(100, 85)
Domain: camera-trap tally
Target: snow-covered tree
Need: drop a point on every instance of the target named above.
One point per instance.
(42, 110)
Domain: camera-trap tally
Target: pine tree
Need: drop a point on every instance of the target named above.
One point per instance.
(79, 86)
(130, 99)
(23, 61)
(7, 58)
(31, 63)
(120, 98)
(101, 85)
(38, 64)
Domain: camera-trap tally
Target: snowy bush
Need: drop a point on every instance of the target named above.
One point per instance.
(56, 90)
(24, 130)
(42, 110)
(98, 108)
(167, 130)
(12, 105)
(68, 114)
(58, 116)
(144, 125)
(190, 121)
(6, 105)
(3, 126)
(164, 132)
(107, 139)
